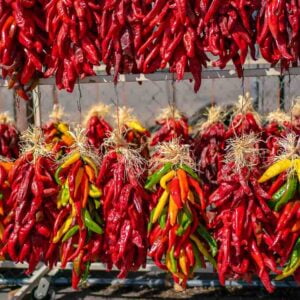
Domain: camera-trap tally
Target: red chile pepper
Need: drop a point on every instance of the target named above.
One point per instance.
(175, 192)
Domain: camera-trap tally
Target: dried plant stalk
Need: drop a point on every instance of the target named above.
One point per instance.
(99, 110)
(243, 151)
(172, 152)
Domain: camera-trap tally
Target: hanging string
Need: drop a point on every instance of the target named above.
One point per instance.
(212, 93)
(79, 102)
(117, 108)
(173, 96)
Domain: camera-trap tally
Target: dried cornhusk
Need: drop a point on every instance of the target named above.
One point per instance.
(244, 106)
(243, 151)
(32, 141)
(170, 112)
(278, 116)
(134, 162)
(82, 146)
(57, 113)
(99, 110)
(214, 114)
(5, 118)
(172, 152)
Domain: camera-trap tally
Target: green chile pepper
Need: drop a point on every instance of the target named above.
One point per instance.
(173, 261)
(289, 193)
(198, 263)
(151, 219)
(209, 239)
(72, 231)
(155, 178)
(163, 219)
(190, 171)
(276, 197)
(90, 224)
(65, 196)
(294, 256)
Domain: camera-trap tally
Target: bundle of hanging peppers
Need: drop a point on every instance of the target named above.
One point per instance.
(73, 33)
(122, 35)
(278, 31)
(78, 226)
(23, 43)
(5, 190)
(173, 125)
(243, 223)
(9, 138)
(178, 239)
(284, 195)
(125, 207)
(174, 39)
(244, 120)
(278, 126)
(56, 133)
(209, 147)
(28, 230)
(228, 30)
(97, 128)
(132, 130)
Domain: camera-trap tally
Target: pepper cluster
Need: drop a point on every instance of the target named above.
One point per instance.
(67, 39)
(56, 133)
(278, 31)
(176, 232)
(209, 147)
(32, 200)
(23, 43)
(78, 227)
(284, 194)
(9, 138)
(97, 128)
(125, 207)
(5, 190)
(173, 125)
(132, 131)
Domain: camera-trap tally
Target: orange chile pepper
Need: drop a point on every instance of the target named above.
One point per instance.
(78, 180)
(90, 173)
(183, 183)
(85, 187)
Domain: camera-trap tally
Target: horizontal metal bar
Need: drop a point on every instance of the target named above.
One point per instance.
(166, 76)
(149, 282)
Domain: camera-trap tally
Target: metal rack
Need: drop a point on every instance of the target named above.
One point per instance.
(254, 69)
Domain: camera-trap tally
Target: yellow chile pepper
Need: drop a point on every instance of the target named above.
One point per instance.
(289, 272)
(173, 211)
(136, 126)
(183, 263)
(166, 178)
(94, 192)
(203, 250)
(62, 127)
(297, 167)
(71, 160)
(63, 229)
(168, 262)
(160, 205)
(275, 169)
